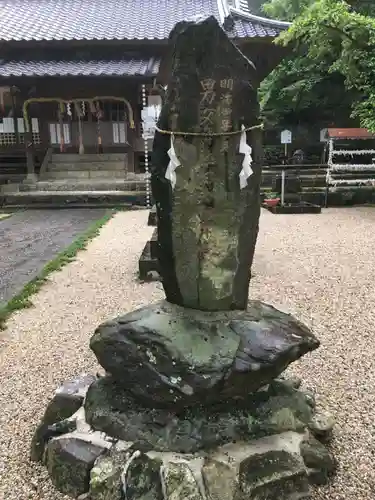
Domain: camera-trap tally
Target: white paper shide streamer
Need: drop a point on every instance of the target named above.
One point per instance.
(170, 174)
(245, 149)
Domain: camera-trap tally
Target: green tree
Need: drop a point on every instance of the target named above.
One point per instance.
(301, 91)
(285, 10)
(338, 33)
(365, 7)
(256, 7)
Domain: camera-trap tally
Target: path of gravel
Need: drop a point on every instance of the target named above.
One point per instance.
(31, 238)
(319, 267)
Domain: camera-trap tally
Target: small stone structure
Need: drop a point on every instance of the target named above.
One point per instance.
(148, 263)
(152, 217)
(194, 405)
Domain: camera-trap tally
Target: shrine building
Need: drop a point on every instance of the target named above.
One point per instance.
(80, 88)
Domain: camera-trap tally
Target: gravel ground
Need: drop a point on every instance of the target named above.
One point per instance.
(31, 238)
(319, 267)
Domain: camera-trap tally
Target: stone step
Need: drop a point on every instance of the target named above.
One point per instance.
(304, 188)
(76, 199)
(93, 165)
(314, 195)
(303, 173)
(77, 158)
(308, 189)
(346, 196)
(307, 184)
(84, 174)
(88, 185)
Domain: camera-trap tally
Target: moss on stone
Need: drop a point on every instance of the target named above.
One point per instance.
(179, 482)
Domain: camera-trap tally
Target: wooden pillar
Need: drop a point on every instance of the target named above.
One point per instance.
(15, 114)
(79, 112)
(31, 176)
(61, 125)
(130, 157)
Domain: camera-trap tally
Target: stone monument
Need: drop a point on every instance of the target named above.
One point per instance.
(193, 405)
(148, 263)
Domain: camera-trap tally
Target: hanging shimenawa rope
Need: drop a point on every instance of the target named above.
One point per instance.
(63, 101)
(211, 134)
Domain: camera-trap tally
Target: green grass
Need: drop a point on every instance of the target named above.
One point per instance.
(22, 299)
(4, 216)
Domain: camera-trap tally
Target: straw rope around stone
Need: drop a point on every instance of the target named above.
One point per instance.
(211, 134)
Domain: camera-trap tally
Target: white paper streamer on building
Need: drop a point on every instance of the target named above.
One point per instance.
(8, 125)
(53, 133)
(66, 132)
(350, 182)
(170, 174)
(341, 168)
(35, 125)
(115, 133)
(245, 149)
(20, 125)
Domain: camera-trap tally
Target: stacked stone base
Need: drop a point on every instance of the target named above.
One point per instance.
(279, 462)
(193, 406)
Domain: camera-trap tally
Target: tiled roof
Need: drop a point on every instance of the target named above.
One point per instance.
(123, 67)
(248, 25)
(349, 133)
(244, 28)
(39, 20)
(97, 19)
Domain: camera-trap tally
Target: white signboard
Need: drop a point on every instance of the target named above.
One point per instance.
(148, 127)
(150, 116)
(286, 137)
(55, 133)
(21, 125)
(8, 125)
(154, 100)
(323, 135)
(119, 133)
(35, 125)
(148, 132)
